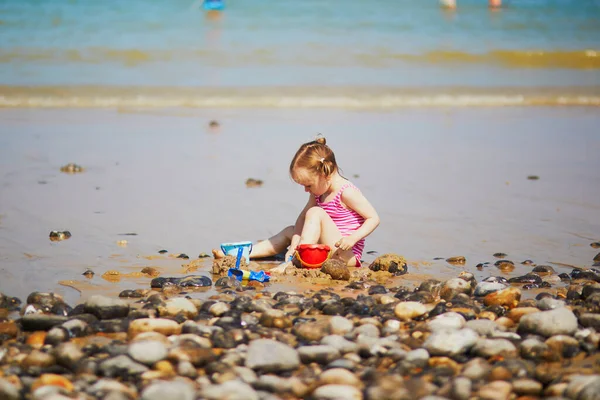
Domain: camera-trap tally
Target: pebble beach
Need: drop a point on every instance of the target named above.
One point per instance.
(452, 339)
(136, 137)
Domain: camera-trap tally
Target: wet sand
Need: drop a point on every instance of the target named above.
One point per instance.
(446, 182)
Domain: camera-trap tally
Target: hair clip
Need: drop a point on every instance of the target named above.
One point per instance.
(322, 160)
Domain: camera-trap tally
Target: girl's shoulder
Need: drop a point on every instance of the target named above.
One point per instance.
(348, 189)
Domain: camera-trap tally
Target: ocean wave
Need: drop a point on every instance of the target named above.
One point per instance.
(584, 59)
(291, 97)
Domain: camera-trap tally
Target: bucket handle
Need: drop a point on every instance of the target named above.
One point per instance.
(312, 265)
(241, 247)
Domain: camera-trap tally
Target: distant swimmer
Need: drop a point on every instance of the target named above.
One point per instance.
(213, 5)
(449, 4)
(495, 3)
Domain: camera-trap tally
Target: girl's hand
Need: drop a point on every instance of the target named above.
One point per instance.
(289, 255)
(346, 243)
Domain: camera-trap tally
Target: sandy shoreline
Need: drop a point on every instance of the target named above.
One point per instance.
(445, 182)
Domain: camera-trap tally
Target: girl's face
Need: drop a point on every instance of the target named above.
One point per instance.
(314, 184)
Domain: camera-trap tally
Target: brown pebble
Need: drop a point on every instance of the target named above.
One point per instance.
(460, 260)
(337, 269)
(487, 315)
(595, 245)
(38, 358)
(9, 329)
(253, 183)
(500, 373)
(150, 271)
(505, 266)
(508, 297)
(497, 390)
(505, 322)
(52, 380)
(161, 325)
(36, 339)
(516, 313)
(165, 367)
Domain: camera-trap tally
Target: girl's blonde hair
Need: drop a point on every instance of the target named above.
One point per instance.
(316, 157)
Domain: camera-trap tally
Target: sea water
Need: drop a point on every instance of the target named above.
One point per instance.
(292, 53)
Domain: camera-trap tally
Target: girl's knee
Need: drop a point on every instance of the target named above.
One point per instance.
(315, 212)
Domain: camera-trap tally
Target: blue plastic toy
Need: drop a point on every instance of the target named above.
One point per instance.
(242, 274)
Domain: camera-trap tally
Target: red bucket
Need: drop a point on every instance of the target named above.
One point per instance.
(312, 255)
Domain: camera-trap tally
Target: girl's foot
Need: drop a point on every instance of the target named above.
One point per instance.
(218, 253)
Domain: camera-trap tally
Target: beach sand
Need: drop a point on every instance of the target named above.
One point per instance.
(446, 182)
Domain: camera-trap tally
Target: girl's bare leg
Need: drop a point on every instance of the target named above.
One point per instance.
(320, 228)
(268, 247)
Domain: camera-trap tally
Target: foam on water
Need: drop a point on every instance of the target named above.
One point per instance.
(333, 97)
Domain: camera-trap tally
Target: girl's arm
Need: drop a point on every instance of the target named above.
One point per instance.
(354, 200)
(299, 225)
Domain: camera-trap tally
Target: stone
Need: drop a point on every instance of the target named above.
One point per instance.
(8, 391)
(392, 263)
(497, 390)
(337, 392)
(448, 321)
(176, 306)
(484, 327)
(408, 310)
(321, 354)
(508, 298)
(484, 288)
(164, 326)
(450, 343)
(455, 286)
(148, 352)
(271, 356)
(104, 307)
(560, 321)
(494, 347)
(340, 325)
(172, 390)
(339, 376)
(337, 269)
(583, 387)
(230, 390)
(340, 343)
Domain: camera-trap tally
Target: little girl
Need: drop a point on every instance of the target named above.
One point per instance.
(336, 213)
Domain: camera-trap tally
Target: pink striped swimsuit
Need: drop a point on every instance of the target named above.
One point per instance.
(346, 220)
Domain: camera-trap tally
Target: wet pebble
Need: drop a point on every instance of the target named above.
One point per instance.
(172, 390)
(446, 322)
(104, 307)
(321, 354)
(336, 392)
(450, 343)
(392, 263)
(148, 352)
(484, 288)
(409, 309)
(271, 356)
(337, 269)
(549, 323)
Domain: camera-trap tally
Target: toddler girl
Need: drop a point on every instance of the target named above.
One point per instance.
(336, 213)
